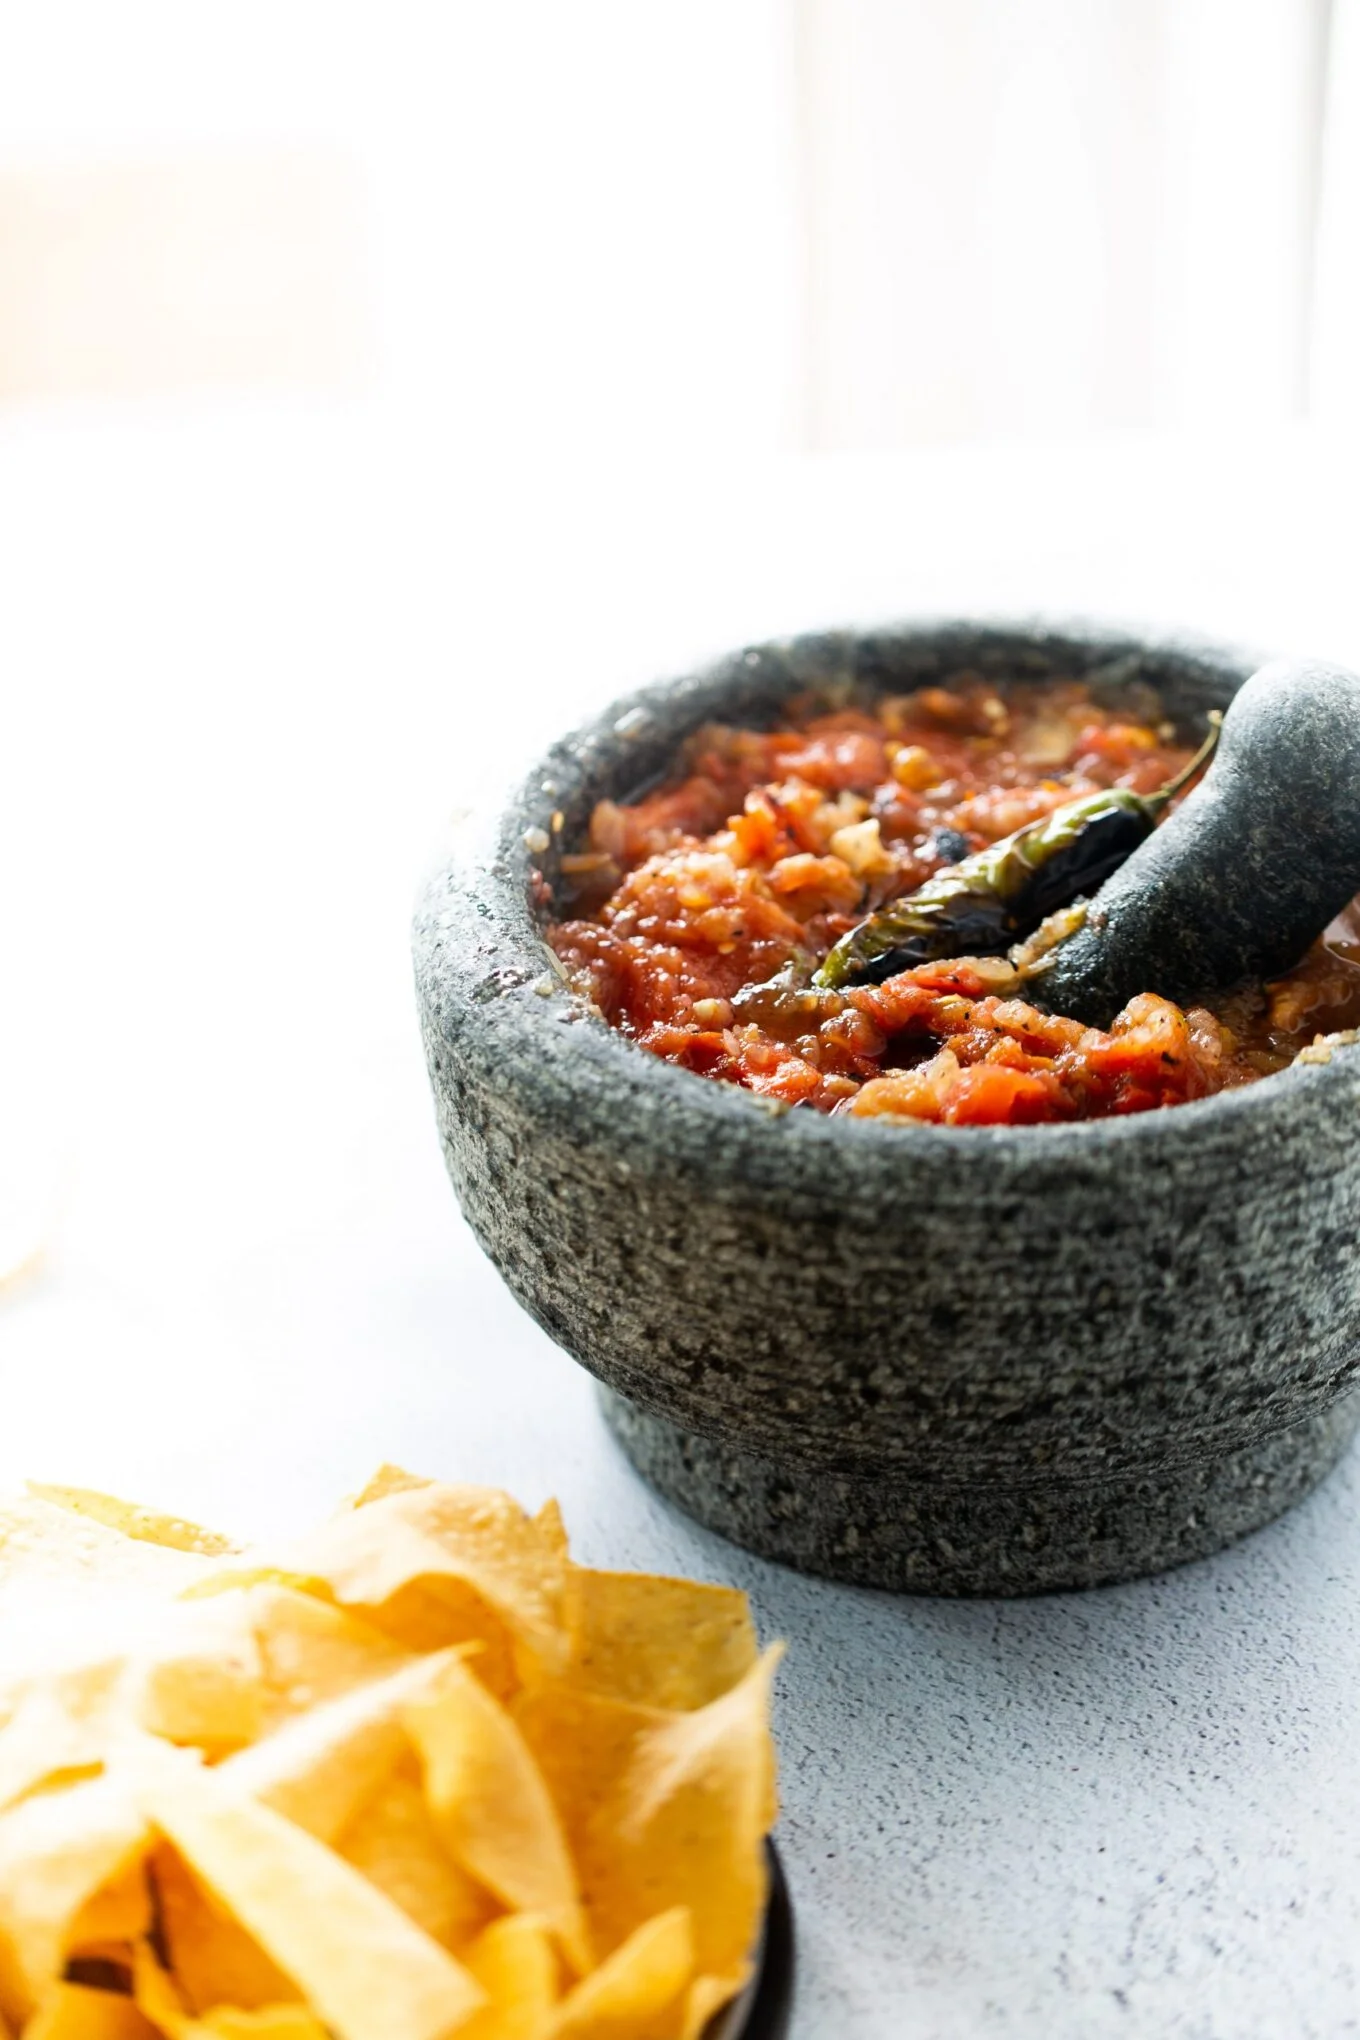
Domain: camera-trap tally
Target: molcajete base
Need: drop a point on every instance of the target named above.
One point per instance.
(982, 1540)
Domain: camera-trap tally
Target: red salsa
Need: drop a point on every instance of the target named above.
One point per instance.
(768, 845)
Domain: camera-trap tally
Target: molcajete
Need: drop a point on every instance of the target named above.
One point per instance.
(931, 1358)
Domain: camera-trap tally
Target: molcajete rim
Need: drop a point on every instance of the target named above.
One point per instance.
(602, 754)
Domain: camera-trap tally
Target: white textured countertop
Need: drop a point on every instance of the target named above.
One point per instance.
(250, 661)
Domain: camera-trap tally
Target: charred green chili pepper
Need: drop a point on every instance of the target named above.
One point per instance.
(983, 904)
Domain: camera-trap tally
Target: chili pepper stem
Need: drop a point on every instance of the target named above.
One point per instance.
(1189, 773)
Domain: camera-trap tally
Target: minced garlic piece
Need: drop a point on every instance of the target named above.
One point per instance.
(861, 846)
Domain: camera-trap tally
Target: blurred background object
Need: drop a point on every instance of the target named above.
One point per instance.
(219, 266)
(761, 225)
(1058, 216)
(1334, 386)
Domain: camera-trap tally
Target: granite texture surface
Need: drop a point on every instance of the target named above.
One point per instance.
(919, 1536)
(1063, 1340)
(1249, 869)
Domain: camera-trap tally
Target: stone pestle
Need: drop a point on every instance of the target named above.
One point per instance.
(1246, 872)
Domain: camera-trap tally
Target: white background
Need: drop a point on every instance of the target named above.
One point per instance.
(746, 226)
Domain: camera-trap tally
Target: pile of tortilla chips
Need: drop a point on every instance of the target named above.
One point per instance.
(415, 1776)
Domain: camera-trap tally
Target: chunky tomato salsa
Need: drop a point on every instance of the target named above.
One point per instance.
(696, 916)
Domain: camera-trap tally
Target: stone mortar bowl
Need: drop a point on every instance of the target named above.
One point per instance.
(934, 1359)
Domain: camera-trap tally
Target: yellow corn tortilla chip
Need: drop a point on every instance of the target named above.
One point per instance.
(236, 1665)
(74, 1593)
(162, 2003)
(659, 1642)
(705, 1999)
(433, 1566)
(321, 1767)
(57, 1851)
(689, 1819)
(630, 1995)
(516, 1967)
(275, 2022)
(429, 1741)
(312, 1651)
(492, 1807)
(214, 1959)
(425, 1614)
(548, 1522)
(362, 1965)
(201, 1680)
(389, 1480)
(664, 1809)
(75, 2013)
(60, 1726)
(583, 1743)
(146, 1526)
(393, 1842)
(116, 1915)
(158, 1997)
(41, 1543)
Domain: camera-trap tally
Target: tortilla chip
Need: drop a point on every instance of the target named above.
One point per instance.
(364, 1789)
(201, 1681)
(548, 1522)
(162, 2003)
(492, 1807)
(145, 1526)
(389, 1480)
(118, 1914)
(275, 2022)
(583, 1744)
(40, 1542)
(280, 1651)
(629, 1996)
(56, 1852)
(688, 1821)
(362, 1965)
(659, 1642)
(394, 1843)
(160, 2000)
(516, 1967)
(59, 1727)
(433, 1566)
(214, 1959)
(704, 2000)
(320, 1768)
(312, 1651)
(74, 1593)
(664, 1810)
(75, 2013)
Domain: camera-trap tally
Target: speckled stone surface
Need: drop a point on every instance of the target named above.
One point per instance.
(1248, 871)
(1060, 1339)
(920, 1537)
